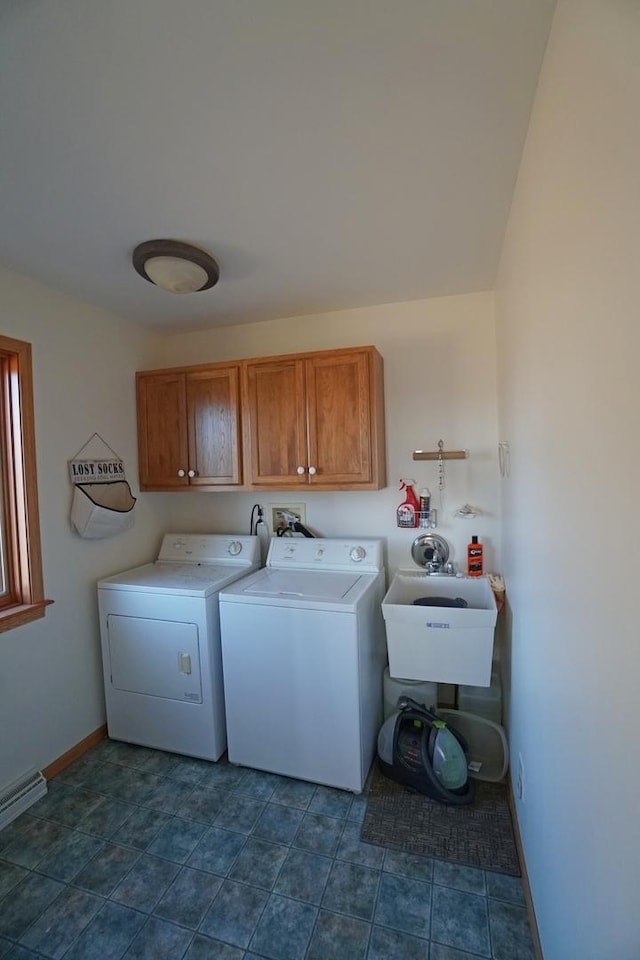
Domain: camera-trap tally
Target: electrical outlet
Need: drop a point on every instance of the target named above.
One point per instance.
(520, 779)
(277, 513)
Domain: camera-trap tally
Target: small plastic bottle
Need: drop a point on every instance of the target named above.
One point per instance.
(425, 507)
(475, 561)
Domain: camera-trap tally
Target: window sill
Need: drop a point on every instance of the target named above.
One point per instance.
(24, 613)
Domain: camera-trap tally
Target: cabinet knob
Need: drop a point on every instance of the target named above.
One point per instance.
(191, 473)
(300, 470)
(181, 473)
(312, 471)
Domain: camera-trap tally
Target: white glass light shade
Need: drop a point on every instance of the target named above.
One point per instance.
(175, 275)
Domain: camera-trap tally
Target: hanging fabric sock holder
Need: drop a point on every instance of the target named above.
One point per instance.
(102, 503)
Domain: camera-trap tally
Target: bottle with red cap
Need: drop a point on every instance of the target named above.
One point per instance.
(408, 511)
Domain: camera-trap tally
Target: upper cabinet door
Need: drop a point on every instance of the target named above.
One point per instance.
(339, 419)
(213, 412)
(162, 430)
(276, 409)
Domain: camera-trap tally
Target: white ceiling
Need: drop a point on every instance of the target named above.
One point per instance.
(329, 153)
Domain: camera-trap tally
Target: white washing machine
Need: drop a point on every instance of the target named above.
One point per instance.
(303, 652)
(160, 637)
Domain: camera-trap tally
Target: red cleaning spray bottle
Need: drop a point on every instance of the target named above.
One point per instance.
(407, 512)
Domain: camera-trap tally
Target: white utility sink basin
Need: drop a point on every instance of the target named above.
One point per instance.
(439, 643)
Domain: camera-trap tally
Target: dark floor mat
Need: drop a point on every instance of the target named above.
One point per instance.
(478, 835)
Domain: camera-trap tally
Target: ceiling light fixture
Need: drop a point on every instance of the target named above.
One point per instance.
(175, 266)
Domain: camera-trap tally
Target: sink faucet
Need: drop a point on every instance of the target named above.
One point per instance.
(436, 567)
(433, 560)
(431, 552)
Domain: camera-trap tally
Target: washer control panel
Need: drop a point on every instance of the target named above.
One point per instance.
(326, 554)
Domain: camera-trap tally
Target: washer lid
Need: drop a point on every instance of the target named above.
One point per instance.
(302, 589)
(303, 585)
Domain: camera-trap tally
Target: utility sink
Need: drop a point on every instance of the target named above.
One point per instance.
(439, 643)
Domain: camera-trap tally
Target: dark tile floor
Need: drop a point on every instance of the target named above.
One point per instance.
(141, 854)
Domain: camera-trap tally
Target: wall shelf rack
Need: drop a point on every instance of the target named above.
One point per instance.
(440, 454)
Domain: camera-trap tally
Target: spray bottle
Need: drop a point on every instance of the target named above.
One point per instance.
(408, 510)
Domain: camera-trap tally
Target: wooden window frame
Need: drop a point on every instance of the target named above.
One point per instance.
(23, 600)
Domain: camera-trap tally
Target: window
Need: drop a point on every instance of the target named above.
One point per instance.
(21, 588)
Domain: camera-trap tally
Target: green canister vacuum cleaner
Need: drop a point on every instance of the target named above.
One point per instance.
(421, 750)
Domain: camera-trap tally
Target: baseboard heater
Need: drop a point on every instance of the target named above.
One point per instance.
(20, 795)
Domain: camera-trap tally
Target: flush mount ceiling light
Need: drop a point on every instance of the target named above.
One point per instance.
(175, 266)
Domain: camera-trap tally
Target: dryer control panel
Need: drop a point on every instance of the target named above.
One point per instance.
(209, 548)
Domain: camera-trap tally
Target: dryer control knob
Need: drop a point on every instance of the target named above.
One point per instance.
(235, 547)
(358, 554)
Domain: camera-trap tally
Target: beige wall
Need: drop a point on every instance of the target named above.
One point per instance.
(439, 370)
(50, 671)
(569, 341)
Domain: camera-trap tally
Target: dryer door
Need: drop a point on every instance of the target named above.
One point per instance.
(159, 658)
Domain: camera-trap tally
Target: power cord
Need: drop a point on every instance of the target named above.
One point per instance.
(257, 517)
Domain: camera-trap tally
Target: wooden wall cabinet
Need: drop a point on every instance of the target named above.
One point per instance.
(294, 422)
(315, 420)
(189, 427)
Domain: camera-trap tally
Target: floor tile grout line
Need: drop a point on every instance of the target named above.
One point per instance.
(375, 903)
(488, 956)
(147, 918)
(317, 908)
(489, 934)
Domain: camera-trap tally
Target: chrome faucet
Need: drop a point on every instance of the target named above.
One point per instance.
(432, 552)
(437, 568)
(433, 558)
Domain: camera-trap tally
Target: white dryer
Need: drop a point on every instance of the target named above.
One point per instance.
(160, 638)
(303, 650)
